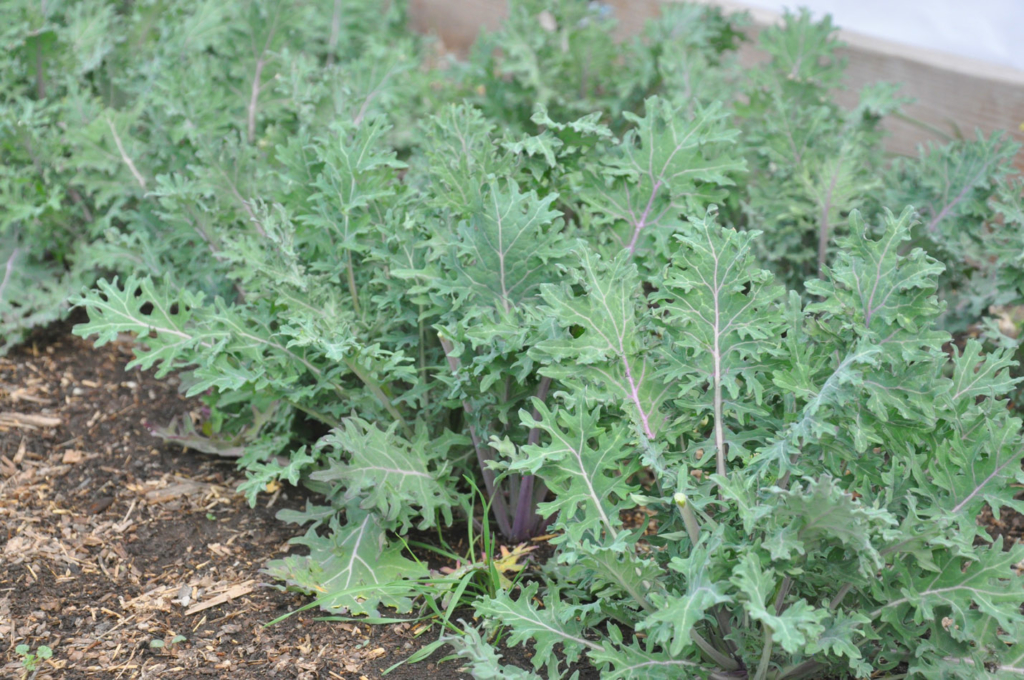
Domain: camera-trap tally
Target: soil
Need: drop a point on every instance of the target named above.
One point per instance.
(133, 558)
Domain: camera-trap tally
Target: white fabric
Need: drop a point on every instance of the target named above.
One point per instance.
(990, 30)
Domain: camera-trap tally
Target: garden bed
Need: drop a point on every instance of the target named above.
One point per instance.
(114, 539)
(687, 322)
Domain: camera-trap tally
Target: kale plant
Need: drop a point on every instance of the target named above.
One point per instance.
(642, 300)
(129, 133)
(817, 474)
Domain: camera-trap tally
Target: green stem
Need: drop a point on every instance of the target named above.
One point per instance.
(725, 662)
(423, 356)
(917, 122)
(313, 413)
(806, 669)
(375, 388)
(780, 597)
(847, 587)
(766, 656)
(689, 519)
(352, 289)
(495, 494)
(40, 73)
(332, 42)
(693, 531)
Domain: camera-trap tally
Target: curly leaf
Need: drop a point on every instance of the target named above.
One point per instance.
(554, 624)
(482, 661)
(506, 249)
(981, 375)
(460, 151)
(160, 318)
(674, 617)
(722, 311)
(388, 474)
(668, 164)
(353, 569)
(881, 294)
(839, 636)
(610, 350)
(635, 662)
(990, 584)
(977, 468)
(586, 467)
(823, 514)
(796, 625)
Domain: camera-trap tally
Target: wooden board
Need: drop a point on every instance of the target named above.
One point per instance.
(951, 93)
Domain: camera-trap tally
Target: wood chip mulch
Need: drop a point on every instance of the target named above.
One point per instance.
(131, 558)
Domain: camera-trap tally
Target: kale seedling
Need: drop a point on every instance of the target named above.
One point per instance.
(30, 660)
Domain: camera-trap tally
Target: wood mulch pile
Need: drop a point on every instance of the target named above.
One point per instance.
(131, 558)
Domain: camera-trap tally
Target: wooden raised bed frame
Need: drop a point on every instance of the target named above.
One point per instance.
(952, 94)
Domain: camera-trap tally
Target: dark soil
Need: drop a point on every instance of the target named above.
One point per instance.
(113, 539)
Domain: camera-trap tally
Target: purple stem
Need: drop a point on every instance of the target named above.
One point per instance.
(825, 229)
(634, 392)
(540, 494)
(7, 272)
(483, 453)
(639, 226)
(526, 518)
(934, 224)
